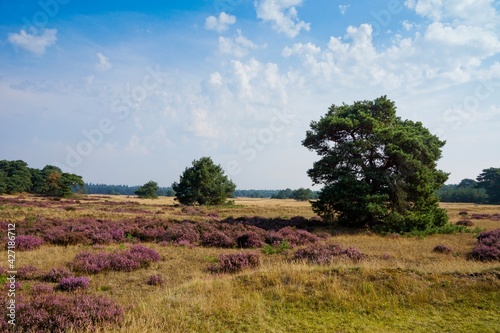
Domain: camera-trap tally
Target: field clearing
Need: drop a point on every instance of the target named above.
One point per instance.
(401, 284)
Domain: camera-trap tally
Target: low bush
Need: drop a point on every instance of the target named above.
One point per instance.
(442, 249)
(56, 274)
(216, 238)
(488, 246)
(28, 242)
(46, 311)
(465, 223)
(72, 283)
(182, 233)
(249, 239)
(325, 253)
(156, 280)
(28, 273)
(297, 237)
(91, 263)
(235, 262)
(134, 258)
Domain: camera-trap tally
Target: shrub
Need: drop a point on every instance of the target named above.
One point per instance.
(41, 288)
(235, 262)
(352, 253)
(144, 255)
(72, 283)
(297, 237)
(319, 254)
(249, 239)
(273, 238)
(488, 247)
(442, 249)
(136, 257)
(51, 312)
(216, 238)
(28, 273)
(16, 286)
(91, 263)
(465, 223)
(28, 242)
(155, 280)
(123, 261)
(184, 234)
(325, 253)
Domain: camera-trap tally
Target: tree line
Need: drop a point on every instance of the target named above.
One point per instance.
(91, 188)
(485, 189)
(17, 177)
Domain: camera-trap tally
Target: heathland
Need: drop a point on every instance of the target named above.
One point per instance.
(258, 265)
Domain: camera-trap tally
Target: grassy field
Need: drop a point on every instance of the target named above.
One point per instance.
(401, 285)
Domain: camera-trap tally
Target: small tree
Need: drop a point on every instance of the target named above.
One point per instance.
(204, 183)
(148, 190)
(377, 170)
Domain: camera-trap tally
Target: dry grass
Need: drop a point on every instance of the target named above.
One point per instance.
(401, 286)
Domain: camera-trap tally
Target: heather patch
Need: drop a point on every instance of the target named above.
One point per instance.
(156, 280)
(72, 283)
(235, 262)
(46, 311)
(326, 253)
(126, 261)
(27, 242)
(488, 246)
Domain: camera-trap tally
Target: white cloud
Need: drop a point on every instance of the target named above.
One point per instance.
(283, 15)
(215, 79)
(201, 125)
(237, 46)
(343, 9)
(408, 25)
(480, 42)
(221, 23)
(460, 11)
(32, 43)
(103, 64)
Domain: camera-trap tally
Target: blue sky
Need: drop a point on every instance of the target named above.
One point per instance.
(131, 91)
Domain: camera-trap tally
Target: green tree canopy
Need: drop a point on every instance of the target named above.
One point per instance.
(204, 183)
(377, 170)
(148, 190)
(3, 182)
(302, 194)
(17, 176)
(489, 180)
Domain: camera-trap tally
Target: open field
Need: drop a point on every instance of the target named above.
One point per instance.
(400, 285)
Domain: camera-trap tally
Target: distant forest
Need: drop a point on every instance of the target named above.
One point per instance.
(299, 194)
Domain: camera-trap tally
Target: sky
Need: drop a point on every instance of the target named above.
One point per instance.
(124, 92)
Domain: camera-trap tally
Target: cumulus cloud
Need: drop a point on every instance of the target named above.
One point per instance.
(442, 55)
(237, 46)
(481, 41)
(33, 43)
(283, 15)
(103, 63)
(461, 11)
(221, 23)
(215, 79)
